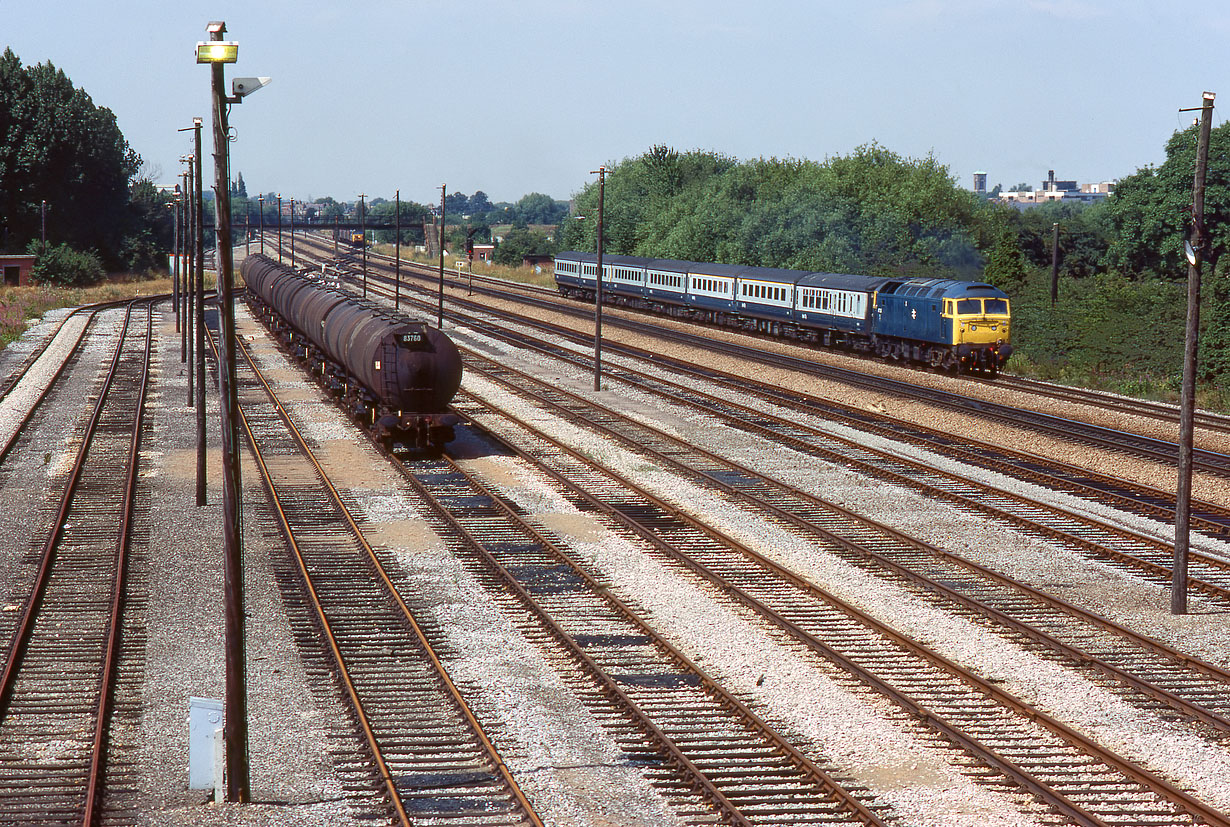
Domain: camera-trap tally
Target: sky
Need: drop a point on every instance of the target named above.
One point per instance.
(523, 96)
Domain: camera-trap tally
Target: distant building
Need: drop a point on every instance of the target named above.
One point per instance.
(1054, 189)
(1051, 185)
(980, 183)
(16, 269)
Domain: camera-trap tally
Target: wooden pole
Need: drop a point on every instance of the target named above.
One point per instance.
(1187, 399)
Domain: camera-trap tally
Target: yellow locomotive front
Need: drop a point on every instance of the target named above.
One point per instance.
(980, 329)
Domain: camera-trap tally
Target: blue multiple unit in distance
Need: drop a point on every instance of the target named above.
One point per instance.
(948, 324)
(397, 375)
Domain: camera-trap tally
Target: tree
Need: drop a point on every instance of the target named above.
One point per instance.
(64, 266)
(479, 204)
(519, 243)
(870, 212)
(412, 217)
(1085, 236)
(56, 145)
(1150, 211)
(327, 209)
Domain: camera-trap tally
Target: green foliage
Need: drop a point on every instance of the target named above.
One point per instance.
(872, 211)
(534, 208)
(1084, 235)
(1006, 267)
(1214, 354)
(1150, 211)
(519, 243)
(412, 217)
(1107, 328)
(56, 145)
(63, 266)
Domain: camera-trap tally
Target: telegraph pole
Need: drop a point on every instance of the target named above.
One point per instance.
(1187, 399)
(440, 308)
(363, 237)
(292, 233)
(601, 172)
(397, 253)
(197, 322)
(1054, 263)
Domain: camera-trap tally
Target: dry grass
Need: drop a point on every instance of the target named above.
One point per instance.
(527, 275)
(19, 306)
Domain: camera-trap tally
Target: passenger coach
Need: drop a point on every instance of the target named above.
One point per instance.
(944, 323)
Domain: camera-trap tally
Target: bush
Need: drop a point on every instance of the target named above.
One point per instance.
(67, 267)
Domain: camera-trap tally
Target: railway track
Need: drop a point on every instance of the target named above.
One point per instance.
(1214, 520)
(1196, 689)
(419, 747)
(1137, 551)
(1020, 743)
(1141, 553)
(1205, 705)
(712, 754)
(59, 675)
(1102, 437)
(1161, 411)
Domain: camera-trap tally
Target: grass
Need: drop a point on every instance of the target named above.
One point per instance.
(1107, 333)
(526, 275)
(21, 305)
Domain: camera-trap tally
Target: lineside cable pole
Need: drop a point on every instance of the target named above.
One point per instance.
(1187, 400)
(235, 725)
(198, 323)
(363, 236)
(440, 309)
(397, 251)
(601, 173)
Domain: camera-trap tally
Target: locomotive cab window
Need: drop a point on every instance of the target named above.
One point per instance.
(996, 306)
(969, 306)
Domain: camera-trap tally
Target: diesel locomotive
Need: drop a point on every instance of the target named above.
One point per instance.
(396, 375)
(953, 325)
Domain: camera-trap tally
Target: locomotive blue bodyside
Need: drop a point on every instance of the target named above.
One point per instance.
(942, 322)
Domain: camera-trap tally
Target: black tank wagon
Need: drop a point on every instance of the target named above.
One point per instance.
(397, 375)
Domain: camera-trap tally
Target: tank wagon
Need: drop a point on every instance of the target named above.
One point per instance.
(396, 375)
(954, 325)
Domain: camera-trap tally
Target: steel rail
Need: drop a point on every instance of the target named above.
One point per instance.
(21, 635)
(1140, 497)
(1150, 780)
(111, 656)
(392, 591)
(609, 686)
(47, 555)
(731, 812)
(977, 454)
(685, 395)
(1212, 461)
(326, 627)
(33, 357)
(1077, 655)
(43, 393)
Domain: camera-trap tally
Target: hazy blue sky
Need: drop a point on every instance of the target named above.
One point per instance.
(530, 95)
